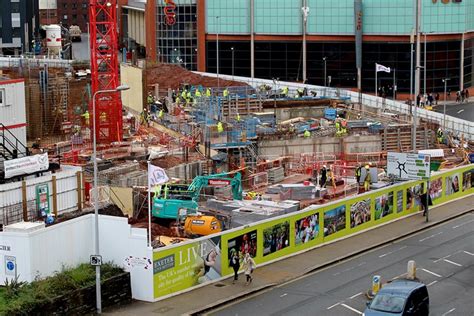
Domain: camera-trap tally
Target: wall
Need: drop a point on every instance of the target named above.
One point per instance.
(183, 266)
(44, 251)
(284, 17)
(349, 144)
(283, 114)
(123, 198)
(133, 77)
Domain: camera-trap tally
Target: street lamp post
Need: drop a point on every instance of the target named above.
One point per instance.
(96, 192)
(217, 51)
(445, 80)
(325, 77)
(232, 49)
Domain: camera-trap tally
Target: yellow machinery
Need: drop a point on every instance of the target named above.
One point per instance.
(202, 225)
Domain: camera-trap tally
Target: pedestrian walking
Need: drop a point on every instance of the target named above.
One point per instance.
(368, 178)
(249, 266)
(235, 264)
(437, 98)
(358, 173)
(467, 94)
(423, 201)
(324, 175)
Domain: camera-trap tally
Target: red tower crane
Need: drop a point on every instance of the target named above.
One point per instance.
(104, 70)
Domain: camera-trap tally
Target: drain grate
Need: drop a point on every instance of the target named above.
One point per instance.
(220, 284)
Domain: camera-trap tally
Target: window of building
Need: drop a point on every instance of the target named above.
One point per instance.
(84, 5)
(2, 97)
(16, 32)
(74, 17)
(15, 7)
(74, 5)
(65, 17)
(64, 5)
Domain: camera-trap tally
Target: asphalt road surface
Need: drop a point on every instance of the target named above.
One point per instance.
(463, 111)
(444, 258)
(80, 50)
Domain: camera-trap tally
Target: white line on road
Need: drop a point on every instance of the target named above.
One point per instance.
(334, 305)
(337, 273)
(452, 262)
(361, 264)
(352, 309)
(390, 252)
(431, 272)
(429, 237)
(460, 111)
(448, 312)
(430, 284)
(285, 294)
(355, 295)
(472, 220)
(469, 253)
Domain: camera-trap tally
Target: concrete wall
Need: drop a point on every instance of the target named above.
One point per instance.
(133, 77)
(349, 144)
(43, 251)
(284, 114)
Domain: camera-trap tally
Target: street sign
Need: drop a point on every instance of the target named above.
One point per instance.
(408, 166)
(96, 260)
(42, 199)
(10, 266)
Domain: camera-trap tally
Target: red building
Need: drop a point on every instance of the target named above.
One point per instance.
(74, 12)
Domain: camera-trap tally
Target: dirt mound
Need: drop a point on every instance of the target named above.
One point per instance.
(173, 76)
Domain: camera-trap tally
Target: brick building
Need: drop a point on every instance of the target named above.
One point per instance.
(74, 12)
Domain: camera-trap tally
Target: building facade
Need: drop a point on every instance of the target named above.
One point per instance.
(265, 38)
(48, 12)
(19, 25)
(73, 12)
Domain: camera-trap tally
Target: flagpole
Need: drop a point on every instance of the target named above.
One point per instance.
(376, 83)
(149, 204)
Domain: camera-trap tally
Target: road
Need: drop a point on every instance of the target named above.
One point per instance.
(463, 111)
(444, 257)
(80, 50)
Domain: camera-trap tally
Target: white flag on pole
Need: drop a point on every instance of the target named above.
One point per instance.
(156, 175)
(379, 68)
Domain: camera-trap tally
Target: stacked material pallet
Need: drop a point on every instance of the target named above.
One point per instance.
(276, 175)
(294, 191)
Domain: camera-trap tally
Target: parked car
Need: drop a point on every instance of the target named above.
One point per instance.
(75, 33)
(400, 297)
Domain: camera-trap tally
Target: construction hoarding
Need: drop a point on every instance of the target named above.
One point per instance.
(184, 266)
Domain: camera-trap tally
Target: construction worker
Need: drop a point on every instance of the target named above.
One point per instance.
(220, 127)
(307, 134)
(184, 94)
(324, 176)
(189, 97)
(284, 91)
(358, 173)
(87, 117)
(178, 100)
(343, 126)
(150, 99)
(238, 117)
(161, 114)
(368, 178)
(337, 123)
(144, 117)
(439, 135)
(208, 92)
(198, 94)
(225, 93)
(300, 92)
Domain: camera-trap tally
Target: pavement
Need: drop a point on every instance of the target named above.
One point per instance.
(212, 296)
(463, 111)
(80, 50)
(444, 257)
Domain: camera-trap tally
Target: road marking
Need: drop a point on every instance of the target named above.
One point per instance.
(334, 305)
(390, 252)
(352, 309)
(429, 237)
(469, 253)
(431, 272)
(361, 264)
(472, 220)
(355, 295)
(430, 284)
(448, 312)
(285, 294)
(455, 263)
(337, 273)
(460, 111)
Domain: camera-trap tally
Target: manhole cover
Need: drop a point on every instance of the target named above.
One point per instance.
(163, 310)
(220, 284)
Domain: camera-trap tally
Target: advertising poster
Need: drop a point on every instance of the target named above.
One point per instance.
(399, 201)
(306, 229)
(436, 189)
(467, 180)
(186, 266)
(383, 205)
(276, 238)
(452, 184)
(242, 244)
(334, 220)
(412, 195)
(360, 213)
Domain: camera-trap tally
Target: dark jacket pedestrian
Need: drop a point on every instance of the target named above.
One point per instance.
(324, 177)
(235, 264)
(423, 198)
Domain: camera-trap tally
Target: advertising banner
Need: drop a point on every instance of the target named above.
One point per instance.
(408, 166)
(26, 165)
(276, 237)
(183, 267)
(360, 213)
(334, 220)
(306, 229)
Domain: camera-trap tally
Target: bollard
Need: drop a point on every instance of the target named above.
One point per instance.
(375, 284)
(411, 270)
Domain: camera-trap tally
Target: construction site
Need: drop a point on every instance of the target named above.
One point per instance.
(235, 152)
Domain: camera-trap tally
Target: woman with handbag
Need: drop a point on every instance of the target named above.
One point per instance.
(249, 266)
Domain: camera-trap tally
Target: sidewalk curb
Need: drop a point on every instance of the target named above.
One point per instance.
(262, 288)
